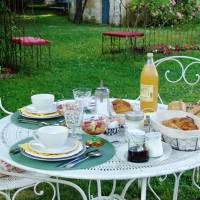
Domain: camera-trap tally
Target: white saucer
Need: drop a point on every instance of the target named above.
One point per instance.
(122, 152)
(68, 147)
(32, 109)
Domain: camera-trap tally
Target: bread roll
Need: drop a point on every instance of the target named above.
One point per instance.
(177, 105)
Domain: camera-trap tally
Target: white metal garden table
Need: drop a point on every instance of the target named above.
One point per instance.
(114, 169)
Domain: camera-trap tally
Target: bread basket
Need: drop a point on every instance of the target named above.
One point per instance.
(178, 139)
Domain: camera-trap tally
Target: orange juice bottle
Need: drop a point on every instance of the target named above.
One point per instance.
(149, 86)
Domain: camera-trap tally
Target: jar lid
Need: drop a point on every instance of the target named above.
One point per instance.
(136, 133)
(153, 135)
(135, 115)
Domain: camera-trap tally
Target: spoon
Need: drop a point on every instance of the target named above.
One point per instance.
(88, 155)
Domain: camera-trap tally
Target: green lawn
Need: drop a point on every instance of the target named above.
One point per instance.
(77, 61)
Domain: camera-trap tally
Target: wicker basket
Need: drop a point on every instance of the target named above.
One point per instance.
(178, 139)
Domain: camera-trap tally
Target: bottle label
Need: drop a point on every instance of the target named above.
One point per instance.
(146, 93)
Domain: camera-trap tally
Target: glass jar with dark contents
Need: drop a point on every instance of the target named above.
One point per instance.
(137, 151)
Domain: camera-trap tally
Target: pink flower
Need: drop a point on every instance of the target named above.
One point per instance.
(173, 2)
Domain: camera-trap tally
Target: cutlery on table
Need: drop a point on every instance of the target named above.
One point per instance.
(14, 150)
(41, 123)
(71, 163)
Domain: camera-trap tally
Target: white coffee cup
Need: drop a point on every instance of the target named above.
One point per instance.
(51, 136)
(43, 102)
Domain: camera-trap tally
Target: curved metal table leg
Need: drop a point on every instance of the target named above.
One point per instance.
(57, 190)
(143, 188)
(196, 170)
(4, 194)
(151, 189)
(176, 184)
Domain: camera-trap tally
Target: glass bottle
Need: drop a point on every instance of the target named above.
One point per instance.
(102, 100)
(149, 86)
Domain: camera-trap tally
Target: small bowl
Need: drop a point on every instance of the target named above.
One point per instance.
(94, 125)
(112, 131)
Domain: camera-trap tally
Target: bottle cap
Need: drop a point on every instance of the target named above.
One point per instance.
(150, 55)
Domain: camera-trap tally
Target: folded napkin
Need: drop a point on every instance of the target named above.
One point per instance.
(27, 148)
(24, 111)
(8, 167)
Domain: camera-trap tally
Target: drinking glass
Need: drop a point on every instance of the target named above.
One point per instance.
(82, 96)
(73, 113)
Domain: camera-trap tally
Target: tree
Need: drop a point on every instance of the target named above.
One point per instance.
(17, 5)
(80, 7)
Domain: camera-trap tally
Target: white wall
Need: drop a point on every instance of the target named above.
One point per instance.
(49, 2)
(93, 11)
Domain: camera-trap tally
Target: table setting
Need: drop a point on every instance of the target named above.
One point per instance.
(102, 138)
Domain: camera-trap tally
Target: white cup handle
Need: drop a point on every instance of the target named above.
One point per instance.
(36, 138)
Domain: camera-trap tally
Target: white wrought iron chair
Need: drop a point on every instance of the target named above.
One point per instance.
(181, 76)
(184, 64)
(25, 180)
(9, 183)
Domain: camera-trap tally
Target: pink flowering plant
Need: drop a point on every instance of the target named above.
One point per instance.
(165, 12)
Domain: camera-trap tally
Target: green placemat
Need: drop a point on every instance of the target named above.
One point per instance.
(107, 150)
(16, 115)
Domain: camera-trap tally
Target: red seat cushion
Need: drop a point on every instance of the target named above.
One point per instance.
(124, 34)
(29, 40)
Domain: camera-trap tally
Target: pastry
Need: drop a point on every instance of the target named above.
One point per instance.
(121, 106)
(177, 105)
(182, 123)
(193, 108)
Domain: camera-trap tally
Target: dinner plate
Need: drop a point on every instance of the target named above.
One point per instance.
(70, 145)
(53, 157)
(75, 154)
(32, 109)
(25, 113)
(122, 152)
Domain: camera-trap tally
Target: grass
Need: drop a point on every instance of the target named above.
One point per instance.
(77, 61)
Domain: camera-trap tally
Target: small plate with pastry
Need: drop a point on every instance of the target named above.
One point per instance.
(121, 106)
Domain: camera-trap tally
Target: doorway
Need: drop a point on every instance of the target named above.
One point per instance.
(105, 11)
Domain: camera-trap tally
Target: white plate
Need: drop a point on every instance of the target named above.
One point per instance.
(122, 152)
(56, 156)
(32, 109)
(69, 146)
(135, 104)
(38, 115)
(81, 152)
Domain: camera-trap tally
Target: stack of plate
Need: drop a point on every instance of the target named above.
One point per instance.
(31, 112)
(70, 150)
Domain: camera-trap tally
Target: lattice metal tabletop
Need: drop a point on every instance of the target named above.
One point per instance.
(114, 169)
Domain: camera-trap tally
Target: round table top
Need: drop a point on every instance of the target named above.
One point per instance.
(113, 169)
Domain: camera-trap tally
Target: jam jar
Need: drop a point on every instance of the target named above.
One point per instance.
(137, 151)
